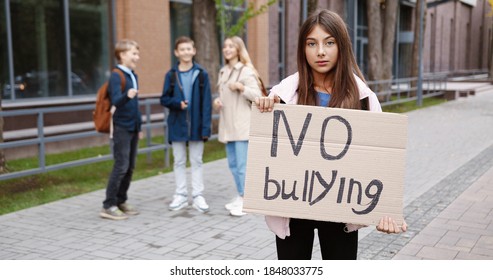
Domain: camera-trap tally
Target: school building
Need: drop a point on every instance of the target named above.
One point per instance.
(60, 51)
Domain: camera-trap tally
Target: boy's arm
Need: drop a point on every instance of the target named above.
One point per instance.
(117, 97)
(206, 107)
(168, 98)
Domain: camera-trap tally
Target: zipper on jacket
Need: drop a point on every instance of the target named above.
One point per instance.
(189, 125)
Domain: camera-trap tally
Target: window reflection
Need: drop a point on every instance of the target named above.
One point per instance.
(89, 37)
(181, 23)
(4, 67)
(39, 48)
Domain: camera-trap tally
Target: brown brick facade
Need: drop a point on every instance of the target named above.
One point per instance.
(456, 37)
(147, 22)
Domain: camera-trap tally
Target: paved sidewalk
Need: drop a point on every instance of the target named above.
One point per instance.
(448, 202)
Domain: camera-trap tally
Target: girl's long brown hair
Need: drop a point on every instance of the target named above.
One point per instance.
(345, 93)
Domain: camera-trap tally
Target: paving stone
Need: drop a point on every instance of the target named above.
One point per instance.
(434, 253)
(448, 204)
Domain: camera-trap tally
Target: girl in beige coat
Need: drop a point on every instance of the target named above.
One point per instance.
(238, 85)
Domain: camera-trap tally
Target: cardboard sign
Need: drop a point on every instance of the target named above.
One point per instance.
(326, 164)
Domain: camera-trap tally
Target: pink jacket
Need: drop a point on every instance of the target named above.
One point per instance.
(286, 90)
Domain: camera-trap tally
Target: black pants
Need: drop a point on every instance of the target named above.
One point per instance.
(335, 243)
(124, 147)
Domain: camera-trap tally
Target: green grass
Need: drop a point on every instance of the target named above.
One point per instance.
(411, 105)
(25, 192)
(21, 193)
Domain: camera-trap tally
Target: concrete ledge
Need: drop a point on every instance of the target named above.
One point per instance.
(455, 90)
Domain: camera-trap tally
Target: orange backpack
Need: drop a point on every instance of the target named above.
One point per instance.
(101, 115)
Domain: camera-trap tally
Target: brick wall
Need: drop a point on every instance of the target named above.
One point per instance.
(258, 41)
(147, 22)
(456, 37)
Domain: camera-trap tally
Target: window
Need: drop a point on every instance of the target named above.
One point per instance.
(361, 49)
(4, 67)
(89, 44)
(403, 57)
(38, 48)
(181, 23)
(41, 64)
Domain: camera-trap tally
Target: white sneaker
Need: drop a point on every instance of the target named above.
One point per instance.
(200, 204)
(235, 203)
(179, 202)
(238, 210)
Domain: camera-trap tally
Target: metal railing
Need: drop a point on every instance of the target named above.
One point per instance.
(402, 90)
(42, 139)
(389, 92)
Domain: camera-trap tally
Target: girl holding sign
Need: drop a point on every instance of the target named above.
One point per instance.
(327, 76)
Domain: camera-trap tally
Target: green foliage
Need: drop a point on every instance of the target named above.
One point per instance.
(225, 16)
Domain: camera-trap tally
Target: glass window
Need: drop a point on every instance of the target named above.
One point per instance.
(39, 51)
(39, 47)
(233, 11)
(89, 43)
(361, 49)
(4, 66)
(233, 15)
(181, 23)
(406, 18)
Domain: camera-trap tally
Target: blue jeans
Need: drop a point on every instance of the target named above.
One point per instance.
(237, 152)
(124, 149)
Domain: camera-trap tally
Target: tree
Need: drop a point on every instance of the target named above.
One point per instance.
(206, 13)
(205, 36)
(311, 6)
(381, 37)
(225, 18)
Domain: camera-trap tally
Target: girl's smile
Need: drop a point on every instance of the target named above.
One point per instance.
(229, 51)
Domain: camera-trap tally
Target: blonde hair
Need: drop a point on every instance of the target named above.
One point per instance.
(123, 46)
(243, 55)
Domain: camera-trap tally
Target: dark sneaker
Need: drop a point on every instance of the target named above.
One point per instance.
(128, 209)
(113, 213)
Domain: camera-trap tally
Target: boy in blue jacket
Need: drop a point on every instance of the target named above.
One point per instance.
(187, 95)
(124, 132)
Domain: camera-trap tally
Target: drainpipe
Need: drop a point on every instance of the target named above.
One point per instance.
(420, 54)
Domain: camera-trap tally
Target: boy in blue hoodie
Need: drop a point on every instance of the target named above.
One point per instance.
(187, 95)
